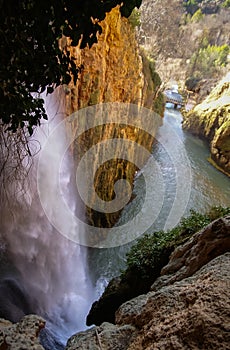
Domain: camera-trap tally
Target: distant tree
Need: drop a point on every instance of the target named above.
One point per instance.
(226, 3)
(31, 58)
(207, 61)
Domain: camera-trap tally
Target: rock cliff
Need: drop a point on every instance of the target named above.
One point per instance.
(211, 121)
(187, 308)
(113, 70)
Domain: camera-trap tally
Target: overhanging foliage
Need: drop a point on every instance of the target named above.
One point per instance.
(31, 59)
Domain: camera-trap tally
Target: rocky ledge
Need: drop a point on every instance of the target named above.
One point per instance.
(185, 260)
(22, 335)
(190, 314)
(188, 306)
(211, 121)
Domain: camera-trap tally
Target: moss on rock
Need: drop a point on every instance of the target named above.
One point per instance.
(211, 120)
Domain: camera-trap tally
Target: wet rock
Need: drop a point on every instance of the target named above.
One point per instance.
(193, 313)
(22, 335)
(116, 293)
(184, 261)
(189, 305)
(14, 303)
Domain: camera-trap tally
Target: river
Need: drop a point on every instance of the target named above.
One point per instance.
(209, 187)
(54, 271)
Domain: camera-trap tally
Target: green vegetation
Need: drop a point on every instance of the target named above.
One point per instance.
(208, 60)
(198, 16)
(191, 6)
(208, 6)
(33, 59)
(151, 252)
(135, 18)
(226, 4)
(153, 83)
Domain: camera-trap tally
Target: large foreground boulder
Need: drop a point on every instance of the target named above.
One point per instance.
(193, 313)
(188, 258)
(188, 306)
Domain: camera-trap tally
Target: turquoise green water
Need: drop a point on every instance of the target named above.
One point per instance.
(209, 187)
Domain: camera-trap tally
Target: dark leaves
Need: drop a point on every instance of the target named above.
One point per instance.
(31, 60)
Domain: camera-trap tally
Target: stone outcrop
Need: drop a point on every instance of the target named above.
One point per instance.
(187, 308)
(21, 335)
(184, 261)
(189, 314)
(120, 289)
(114, 70)
(107, 336)
(211, 121)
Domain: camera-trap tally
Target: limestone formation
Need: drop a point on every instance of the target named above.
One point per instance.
(204, 246)
(193, 313)
(107, 336)
(211, 120)
(114, 70)
(22, 335)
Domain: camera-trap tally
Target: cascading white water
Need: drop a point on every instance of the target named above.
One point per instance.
(53, 269)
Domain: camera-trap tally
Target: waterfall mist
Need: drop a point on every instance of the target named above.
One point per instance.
(49, 270)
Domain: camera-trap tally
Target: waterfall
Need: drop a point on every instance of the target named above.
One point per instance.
(47, 268)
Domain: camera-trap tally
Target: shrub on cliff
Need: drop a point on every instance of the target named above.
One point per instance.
(208, 60)
(135, 18)
(151, 251)
(226, 4)
(198, 16)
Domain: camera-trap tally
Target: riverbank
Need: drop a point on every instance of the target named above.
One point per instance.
(211, 121)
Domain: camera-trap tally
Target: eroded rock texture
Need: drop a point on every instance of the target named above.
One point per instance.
(193, 313)
(211, 120)
(204, 246)
(107, 336)
(184, 261)
(114, 70)
(22, 335)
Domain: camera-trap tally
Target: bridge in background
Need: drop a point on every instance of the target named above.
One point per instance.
(174, 98)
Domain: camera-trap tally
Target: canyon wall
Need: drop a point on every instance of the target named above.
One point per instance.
(113, 70)
(211, 121)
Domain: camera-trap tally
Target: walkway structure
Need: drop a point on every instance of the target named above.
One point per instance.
(174, 98)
